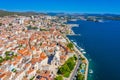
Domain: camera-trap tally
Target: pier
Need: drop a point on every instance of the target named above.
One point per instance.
(73, 25)
(74, 34)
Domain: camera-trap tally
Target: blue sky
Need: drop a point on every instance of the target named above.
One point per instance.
(74, 6)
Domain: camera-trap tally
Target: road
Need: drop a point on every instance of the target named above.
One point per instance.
(78, 63)
(74, 73)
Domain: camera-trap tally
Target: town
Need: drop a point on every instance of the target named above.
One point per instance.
(36, 48)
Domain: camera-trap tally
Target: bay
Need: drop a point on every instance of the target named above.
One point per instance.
(101, 41)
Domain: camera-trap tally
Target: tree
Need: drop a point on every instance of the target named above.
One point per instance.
(7, 53)
(71, 65)
(70, 46)
(8, 58)
(10, 24)
(1, 59)
(75, 57)
(80, 77)
(59, 78)
(67, 74)
(63, 69)
(0, 24)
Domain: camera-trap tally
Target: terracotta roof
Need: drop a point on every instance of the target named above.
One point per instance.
(33, 48)
(34, 60)
(43, 55)
(63, 57)
(2, 75)
(30, 71)
(43, 78)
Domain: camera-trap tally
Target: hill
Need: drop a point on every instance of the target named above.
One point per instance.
(8, 13)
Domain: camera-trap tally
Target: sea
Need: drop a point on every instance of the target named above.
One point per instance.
(101, 42)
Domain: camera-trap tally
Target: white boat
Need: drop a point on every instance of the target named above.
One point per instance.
(72, 40)
(75, 43)
(90, 71)
(84, 52)
(100, 20)
(81, 49)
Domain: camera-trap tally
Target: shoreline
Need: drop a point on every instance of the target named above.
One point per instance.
(82, 55)
(87, 62)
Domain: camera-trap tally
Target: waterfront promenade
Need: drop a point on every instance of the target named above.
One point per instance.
(78, 52)
(87, 62)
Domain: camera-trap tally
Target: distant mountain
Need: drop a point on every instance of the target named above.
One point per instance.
(105, 16)
(99, 16)
(8, 13)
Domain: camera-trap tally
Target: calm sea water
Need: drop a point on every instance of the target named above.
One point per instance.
(101, 41)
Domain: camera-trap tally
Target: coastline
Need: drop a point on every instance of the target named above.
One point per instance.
(87, 62)
(80, 53)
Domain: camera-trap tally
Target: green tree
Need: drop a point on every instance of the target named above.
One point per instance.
(59, 78)
(67, 74)
(63, 69)
(70, 46)
(71, 65)
(1, 59)
(80, 77)
(75, 57)
(8, 58)
(7, 53)
(66, 69)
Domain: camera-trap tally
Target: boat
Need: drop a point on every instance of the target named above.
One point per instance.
(84, 52)
(73, 19)
(100, 20)
(72, 40)
(90, 71)
(75, 43)
(81, 49)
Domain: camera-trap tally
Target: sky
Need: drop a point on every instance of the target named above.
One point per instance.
(68, 6)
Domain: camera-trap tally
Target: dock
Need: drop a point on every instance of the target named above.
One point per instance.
(74, 34)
